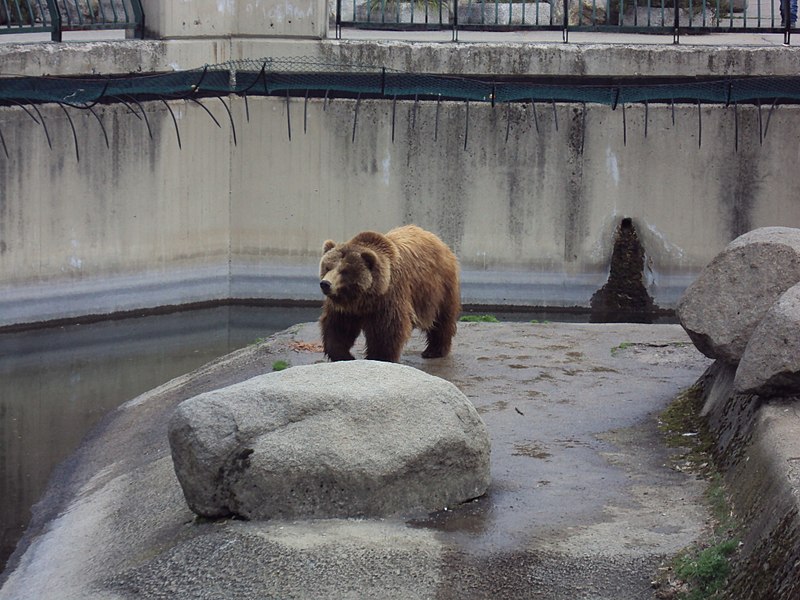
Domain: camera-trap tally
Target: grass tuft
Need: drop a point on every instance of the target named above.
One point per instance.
(479, 319)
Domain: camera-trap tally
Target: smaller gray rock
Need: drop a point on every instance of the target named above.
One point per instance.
(770, 365)
(722, 307)
(345, 439)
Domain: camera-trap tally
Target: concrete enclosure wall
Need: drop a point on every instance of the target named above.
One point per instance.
(145, 223)
(531, 214)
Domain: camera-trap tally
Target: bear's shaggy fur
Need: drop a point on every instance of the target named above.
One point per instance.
(385, 285)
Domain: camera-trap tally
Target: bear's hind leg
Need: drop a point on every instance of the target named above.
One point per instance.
(339, 333)
(440, 336)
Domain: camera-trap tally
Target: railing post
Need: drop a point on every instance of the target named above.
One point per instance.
(565, 24)
(339, 19)
(455, 20)
(138, 14)
(676, 32)
(786, 23)
(55, 20)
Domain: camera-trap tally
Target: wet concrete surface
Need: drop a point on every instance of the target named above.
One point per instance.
(584, 501)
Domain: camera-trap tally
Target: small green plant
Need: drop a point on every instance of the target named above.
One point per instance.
(704, 567)
(257, 341)
(538, 322)
(706, 571)
(479, 319)
(280, 365)
(620, 347)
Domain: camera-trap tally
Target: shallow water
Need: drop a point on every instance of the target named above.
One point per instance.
(55, 384)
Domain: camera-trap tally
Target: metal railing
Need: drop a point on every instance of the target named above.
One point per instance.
(58, 16)
(674, 17)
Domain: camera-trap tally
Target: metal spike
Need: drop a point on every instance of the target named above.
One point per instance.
(646, 110)
(144, 116)
(174, 122)
(436, 122)
(466, 126)
(769, 115)
(105, 134)
(355, 116)
(736, 127)
(699, 125)
(128, 106)
(44, 126)
(583, 128)
(196, 87)
(3, 141)
(205, 108)
(288, 116)
(305, 114)
(25, 108)
(535, 118)
(394, 113)
(555, 114)
(508, 119)
(230, 118)
(624, 127)
(74, 135)
(760, 124)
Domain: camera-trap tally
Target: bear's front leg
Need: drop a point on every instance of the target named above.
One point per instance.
(339, 333)
(386, 336)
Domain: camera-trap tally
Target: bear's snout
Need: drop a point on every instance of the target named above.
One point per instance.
(325, 286)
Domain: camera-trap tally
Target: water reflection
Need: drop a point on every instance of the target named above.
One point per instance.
(55, 384)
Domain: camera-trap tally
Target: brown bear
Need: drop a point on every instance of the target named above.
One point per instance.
(385, 285)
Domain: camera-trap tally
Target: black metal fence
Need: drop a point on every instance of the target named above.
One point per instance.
(674, 17)
(58, 16)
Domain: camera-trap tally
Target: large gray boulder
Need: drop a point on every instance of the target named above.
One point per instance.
(356, 438)
(722, 307)
(770, 365)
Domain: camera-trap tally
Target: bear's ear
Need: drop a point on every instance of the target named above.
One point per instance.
(328, 245)
(370, 259)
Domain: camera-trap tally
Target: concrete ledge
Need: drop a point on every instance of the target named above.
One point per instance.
(473, 58)
(67, 299)
(759, 449)
(106, 295)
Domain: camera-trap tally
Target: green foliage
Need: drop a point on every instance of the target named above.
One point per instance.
(280, 365)
(479, 319)
(705, 567)
(706, 570)
(621, 346)
(684, 428)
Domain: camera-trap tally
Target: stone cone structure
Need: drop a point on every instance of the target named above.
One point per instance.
(345, 439)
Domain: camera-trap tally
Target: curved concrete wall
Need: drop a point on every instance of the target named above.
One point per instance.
(145, 223)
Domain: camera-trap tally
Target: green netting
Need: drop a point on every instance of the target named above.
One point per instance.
(301, 76)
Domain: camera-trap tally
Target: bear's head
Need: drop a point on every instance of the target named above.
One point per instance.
(356, 270)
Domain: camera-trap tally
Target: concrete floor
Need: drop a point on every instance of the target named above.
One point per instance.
(585, 502)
